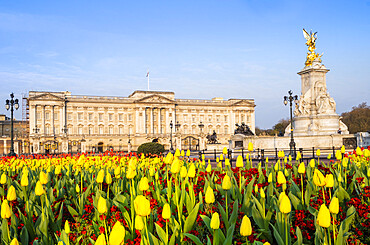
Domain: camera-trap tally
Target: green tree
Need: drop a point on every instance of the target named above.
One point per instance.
(358, 119)
(281, 126)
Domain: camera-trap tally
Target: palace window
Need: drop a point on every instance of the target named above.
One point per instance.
(101, 131)
(120, 130)
(80, 130)
(242, 118)
(100, 117)
(110, 117)
(90, 116)
(38, 116)
(47, 131)
(55, 116)
(209, 118)
(69, 116)
(80, 116)
(47, 116)
(193, 118)
(225, 118)
(130, 117)
(218, 118)
(226, 130)
(90, 130)
(110, 130)
(185, 118)
(120, 117)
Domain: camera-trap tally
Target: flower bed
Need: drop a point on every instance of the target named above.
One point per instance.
(126, 199)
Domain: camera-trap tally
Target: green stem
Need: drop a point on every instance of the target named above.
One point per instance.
(167, 231)
(146, 230)
(302, 188)
(240, 181)
(323, 194)
(105, 229)
(329, 236)
(334, 228)
(227, 209)
(286, 231)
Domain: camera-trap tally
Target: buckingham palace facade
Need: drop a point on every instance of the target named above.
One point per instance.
(62, 122)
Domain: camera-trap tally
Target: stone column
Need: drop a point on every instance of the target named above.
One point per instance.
(43, 119)
(145, 119)
(151, 121)
(159, 117)
(52, 122)
(5, 149)
(137, 120)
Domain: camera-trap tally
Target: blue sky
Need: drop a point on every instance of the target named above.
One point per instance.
(198, 49)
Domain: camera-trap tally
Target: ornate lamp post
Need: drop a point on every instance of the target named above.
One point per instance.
(171, 126)
(201, 126)
(11, 104)
(291, 99)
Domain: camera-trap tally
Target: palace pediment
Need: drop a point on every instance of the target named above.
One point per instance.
(155, 99)
(46, 96)
(245, 103)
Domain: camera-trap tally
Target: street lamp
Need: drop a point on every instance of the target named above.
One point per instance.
(171, 126)
(291, 99)
(11, 104)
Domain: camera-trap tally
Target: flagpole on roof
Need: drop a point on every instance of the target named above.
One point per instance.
(147, 75)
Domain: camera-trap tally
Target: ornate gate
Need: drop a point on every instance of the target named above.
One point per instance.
(190, 143)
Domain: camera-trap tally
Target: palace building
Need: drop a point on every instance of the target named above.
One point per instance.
(62, 122)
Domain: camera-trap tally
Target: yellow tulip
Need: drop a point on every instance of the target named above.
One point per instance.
(175, 167)
(318, 152)
(345, 162)
(343, 149)
(227, 162)
(131, 172)
(323, 217)
(58, 170)
(312, 163)
(144, 184)
(281, 178)
(60, 243)
(11, 194)
(215, 221)
(210, 196)
(340, 178)
(269, 179)
(266, 243)
(301, 168)
(14, 241)
(183, 172)
(43, 178)
(285, 160)
(139, 224)
(277, 165)
(24, 180)
(239, 162)
(39, 189)
(250, 146)
(151, 171)
(117, 235)
(101, 240)
(102, 205)
(329, 181)
(67, 229)
(329, 156)
(262, 193)
(299, 156)
(188, 153)
(285, 206)
(334, 205)
(78, 189)
(318, 178)
(226, 183)
(177, 153)
(224, 151)
(209, 168)
(3, 179)
(100, 177)
(221, 157)
(245, 227)
(338, 155)
(182, 153)
(366, 153)
(5, 210)
(108, 178)
(166, 212)
(142, 205)
(191, 171)
(203, 157)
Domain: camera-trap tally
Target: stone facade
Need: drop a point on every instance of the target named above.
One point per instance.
(62, 122)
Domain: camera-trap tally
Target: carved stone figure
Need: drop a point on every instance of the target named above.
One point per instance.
(212, 139)
(311, 43)
(243, 129)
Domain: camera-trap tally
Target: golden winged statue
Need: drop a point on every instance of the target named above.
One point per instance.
(311, 43)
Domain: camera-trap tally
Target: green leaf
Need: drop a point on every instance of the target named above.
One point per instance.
(277, 236)
(72, 212)
(161, 233)
(189, 222)
(24, 236)
(193, 238)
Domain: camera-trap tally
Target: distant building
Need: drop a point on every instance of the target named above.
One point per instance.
(20, 134)
(62, 122)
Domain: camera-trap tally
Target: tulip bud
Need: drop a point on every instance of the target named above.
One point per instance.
(131, 172)
(11, 194)
(281, 178)
(323, 217)
(250, 146)
(227, 162)
(102, 205)
(203, 157)
(312, 163)
(144, 184)
(175, 167)
(78, 189)
(329, 180)
(142, 205)
(14, 241)
(318, 178)
(301, 168)
(334, 205)
(166, 212)
(299, 156)
(177, 153)
(100, 177)
(3, 179)
(267, 160)
(266, 243)
(43, 178)
(239, 162)
(58, 170)
(246, 227)
(358, 151)
(343, 149)
(338, 155)
(67, 229)
(5, 210)
(139, 224)
(285, 160)
(285, 206)
(262, 193)
(221, 157)
(226, 183)
(117, 171)
(270, 178)
(188, 153)
(340, 177)
(191, 171)
(183, 172)
(224, 151)
(277, 165)
(366, 153)
(101, 240)
(24, 180)
(345, 162)
(210, 196)
(209, 168)
(329, 156)
(182, 153)
(108, 178)
(117, 235)
(318, 152)
(215, 221)
(39, 189)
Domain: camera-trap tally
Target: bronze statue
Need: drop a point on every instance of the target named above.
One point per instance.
(243, 129)
(311, 43)
(212, 139)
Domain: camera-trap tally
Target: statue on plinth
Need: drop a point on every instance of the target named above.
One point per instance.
(311, 43)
